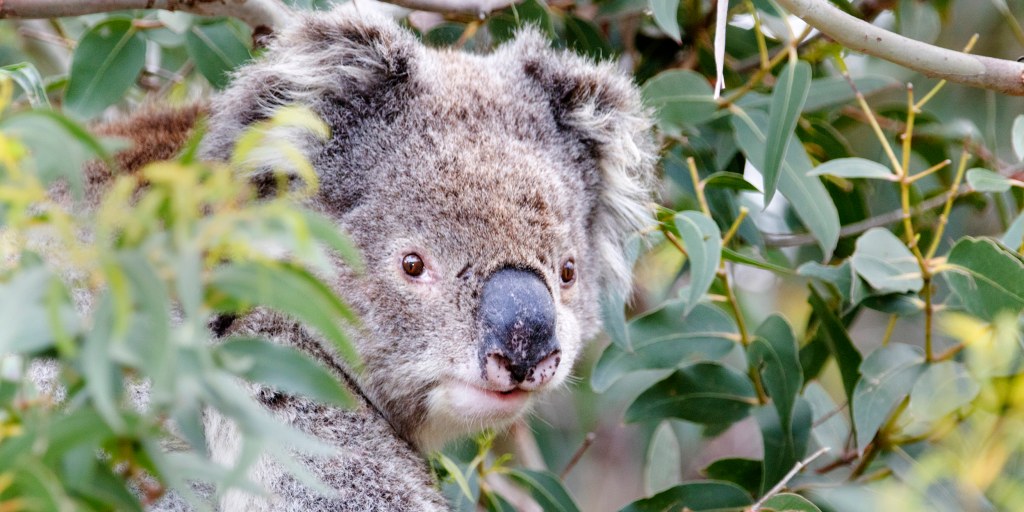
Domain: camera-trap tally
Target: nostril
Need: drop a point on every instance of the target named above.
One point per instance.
(543, 371)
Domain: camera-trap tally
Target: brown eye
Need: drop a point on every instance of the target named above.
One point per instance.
(568, 273)
(412, 264)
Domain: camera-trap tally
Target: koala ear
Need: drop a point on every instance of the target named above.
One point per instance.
(600, 106)
(343, 66)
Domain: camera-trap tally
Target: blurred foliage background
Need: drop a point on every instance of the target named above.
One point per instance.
(826, 316)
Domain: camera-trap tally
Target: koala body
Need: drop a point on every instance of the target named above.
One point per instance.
(489, 196)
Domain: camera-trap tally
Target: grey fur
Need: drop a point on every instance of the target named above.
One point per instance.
(524, 158)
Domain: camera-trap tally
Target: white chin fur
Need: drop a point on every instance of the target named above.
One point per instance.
(458, 408)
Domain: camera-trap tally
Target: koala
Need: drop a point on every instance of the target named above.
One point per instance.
(490, 197)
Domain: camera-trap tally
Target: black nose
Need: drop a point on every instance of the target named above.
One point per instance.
(517, 316)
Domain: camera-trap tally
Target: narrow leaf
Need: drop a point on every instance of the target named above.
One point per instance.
(679, 99)
(888, 375)
(27, 77)
(546, 489)
(665, 16)
(694, 496)
(775, 354)
(705, 393)
(217, 49)
(283, 368)
(839, 343)
(787, 103)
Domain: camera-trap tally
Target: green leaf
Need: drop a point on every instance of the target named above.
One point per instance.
(288, 289)
(680, 99)
(786, 502)
(703, 243)
(503, 25)
(854, 168)
(839, 343)
(738, 257)
(107, 61)
(695, 497)
(705, 393)
(829, 92)
(104, 384)
(775, 354)
(1017, 136)
(283, 368)
(664, 467)
(986, 277)
(666, 338)
(583, 36)
(889, 374)
(886, 263)
(984, 180)
(217, 48)
(326, 231)
(787, 102)
(942, 389)
(782, 448)
(730, 180)
(1014, 236)
(807, 196)
(665, 16)
(456, 473)
(546, 490)
(24, 315)
(27, 77)
(745, 473)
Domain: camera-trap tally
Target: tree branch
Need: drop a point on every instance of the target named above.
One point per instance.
(1005, 76)
(476, 8)
(255, 13)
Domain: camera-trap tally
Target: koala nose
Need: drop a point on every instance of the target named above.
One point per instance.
(517, 316)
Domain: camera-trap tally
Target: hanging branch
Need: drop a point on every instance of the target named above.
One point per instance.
(255, 13)
(1005, 76)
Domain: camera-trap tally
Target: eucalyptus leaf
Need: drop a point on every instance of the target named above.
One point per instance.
(943, 388)
(889, 373)
(706, 393)
(107, 60)
(774, 353)
(787, 102)
(986, 277)
(27, 77)
(546, 489)
(680, 98)
(984, 180)
(885, 263)
(788, 502)
(666, 338)
(664, 466)
(694, 496)
(854, 168)
(665, 16)
(217, 48)
(703, 243)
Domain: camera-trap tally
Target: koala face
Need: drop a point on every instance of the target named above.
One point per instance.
(489, 195)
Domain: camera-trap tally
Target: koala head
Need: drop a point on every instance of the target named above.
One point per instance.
(489, 195)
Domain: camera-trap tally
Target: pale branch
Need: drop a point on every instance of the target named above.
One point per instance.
(800, 465)
(1005, 76)
(255, 13)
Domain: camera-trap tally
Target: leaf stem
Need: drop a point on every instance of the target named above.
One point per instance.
(735, 226)
(698, 186)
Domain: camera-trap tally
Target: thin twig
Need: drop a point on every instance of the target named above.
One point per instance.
(587, 441)
(789, 476)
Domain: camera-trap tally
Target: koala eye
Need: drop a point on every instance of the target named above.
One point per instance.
(568, 273)
(412, 264)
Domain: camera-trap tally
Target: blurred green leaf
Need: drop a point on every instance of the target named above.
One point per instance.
(782, 448)
(839, 343)
(806, 194)
(583, 36)
(745, 473)
(943, 388)
(664, 465)
(680, 99)
(774, 353)
(888, 374)
(107, 60)
(786, 502)
(694, 496)
(546, 489)
(984, 180)
(27, 77)
(665, 16)
(666, 338)
(886, 263)
(730, 180)
(283, 368)
(1014, 236)
(24, 314)
(217, 48)
(289, 289)
(986, 277)
(703, 243)
(705, 393)
(787, 102)
(854, 168)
